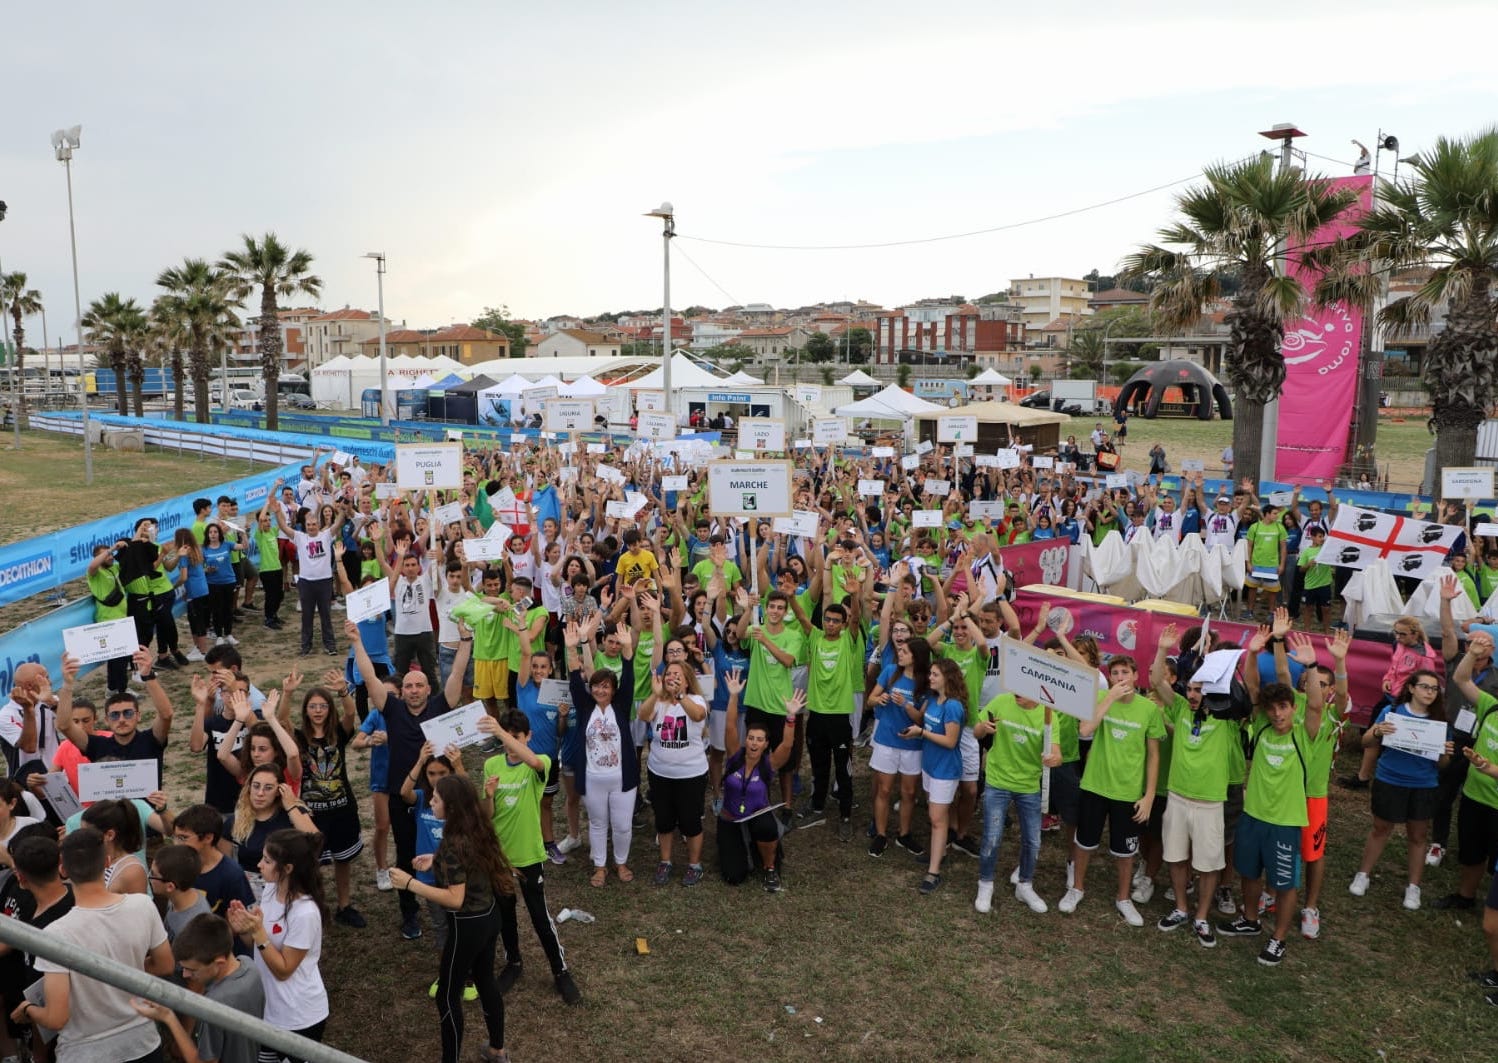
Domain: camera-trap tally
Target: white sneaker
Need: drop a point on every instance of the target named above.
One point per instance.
(569, 843)
(1129, 912)
(1144, 889)
(1359, 885)
(1434, 855)
(984, 900)
(1070, 900)
(194, 654)
(219, 641)
(231, 640)
(1071, 874)
(1225, 903)
(382, 879)
(1412, 897)
(1014, 878)
(1025, 892)
(1310, 923)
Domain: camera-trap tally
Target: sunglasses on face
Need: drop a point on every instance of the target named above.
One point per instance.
(121, 714)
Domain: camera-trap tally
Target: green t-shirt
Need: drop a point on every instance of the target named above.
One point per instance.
(769, 685)
(1199, 753)
(270, 550)
(732, 577)
(1237, 761)
(1116, 766)
(1264, 544)
(517, 808)
(974, 665)
(1276, 788)
(103, 583)
(1069, 737)
(1323, 747)
(370, 569)
(831, 665)
(1014, 760)
(644, 647)
(160, 582)
(537, 643)
(613, 664)
(1315, 574)
(1479, 787)
(488, 634)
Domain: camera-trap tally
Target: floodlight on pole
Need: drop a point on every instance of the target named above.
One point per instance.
(64, 141)
(1286, 133)
(668, 219)
(379, 257)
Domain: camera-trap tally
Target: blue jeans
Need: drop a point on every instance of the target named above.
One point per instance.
(995, 803)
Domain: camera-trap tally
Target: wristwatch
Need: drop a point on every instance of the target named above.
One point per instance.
(261, 946)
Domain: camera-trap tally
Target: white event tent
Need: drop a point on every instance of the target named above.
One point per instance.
(859, 379)
(685, 373)
(740, 378)
(891, 404)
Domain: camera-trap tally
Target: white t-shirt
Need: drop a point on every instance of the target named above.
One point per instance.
(603, 745)
(678, 750)
(301, 1000)
(307, 490)
(315, 554)
(1167, 525)
(551, 594)
(1220, 529)
(447, 627)
(12, 720)
(410, 599)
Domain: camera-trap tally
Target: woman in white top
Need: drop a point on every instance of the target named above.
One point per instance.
(314, 559)
(286, 930)
(605, 767)
(124, 871)
(12, 799)
(678, 765)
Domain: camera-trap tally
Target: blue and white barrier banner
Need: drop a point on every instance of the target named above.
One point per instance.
(254, 444)
(39, 641)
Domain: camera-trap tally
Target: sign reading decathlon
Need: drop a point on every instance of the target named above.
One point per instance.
(429, 465)
(1050, 680)
(749, 488)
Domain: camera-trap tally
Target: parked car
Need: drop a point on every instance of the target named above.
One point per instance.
(299, 402)
(1037, 400)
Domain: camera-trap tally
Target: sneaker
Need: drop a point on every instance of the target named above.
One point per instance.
(1025, 892)
(1204, 936)
(968, 847)
(878, 845)
(1352, 782)
(382, 879)
(1014, 877)
(470, 992)
(167, 663)
(772, 881)
(554, 853)
(182, 658)
(194, 655)
(811, 817)
(1171, 921)
(1129, 912)
(231, 640)
(411, 927)
(1069, 900)
(717, 807)
(350, 917)
(1050, 822)
(845, 830)
(1266, 902)
(509, 976)
(1310, 923)
(1485, 979)
(1274, 952)
(1359, 885)
(984, 901)
(1454, 901)
(1434, 855)
(930, 884)
(1144, 889)
(693, 875)
(910, 845)
(1412, 897)
(1071, 874)
(662, 873)
(567, 989)
(1225, 902)
(1240, 928)
(1492, 999)
(569, 843)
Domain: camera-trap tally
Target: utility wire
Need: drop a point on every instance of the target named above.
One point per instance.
(733, 299)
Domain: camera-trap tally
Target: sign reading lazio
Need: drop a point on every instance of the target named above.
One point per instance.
(749, 488)
(1050, 680)
(761, 433)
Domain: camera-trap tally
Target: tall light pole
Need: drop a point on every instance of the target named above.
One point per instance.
(668, 230)
(379, 257)
(63, 143)
(1285, 133)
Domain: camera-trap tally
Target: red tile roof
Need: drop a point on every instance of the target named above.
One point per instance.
(465, 333)
(346, 314)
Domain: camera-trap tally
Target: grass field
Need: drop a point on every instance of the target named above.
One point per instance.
(891, 975)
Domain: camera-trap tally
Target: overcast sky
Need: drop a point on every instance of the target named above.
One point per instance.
(502, 153)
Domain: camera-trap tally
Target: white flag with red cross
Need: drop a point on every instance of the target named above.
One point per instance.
(1413, 548)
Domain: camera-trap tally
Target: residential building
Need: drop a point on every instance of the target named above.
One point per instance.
(710, 332)
(1044, 299)
(575, 343)
(772, 342)
(246, 348)
(561, 321)
(1113, 298)
(681, 333)
(339, 332)
(462, 343)
(944, 328)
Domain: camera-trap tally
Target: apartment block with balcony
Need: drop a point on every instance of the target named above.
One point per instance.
(246, 348)
(1044, 299)
(339, 332)
(944, 329)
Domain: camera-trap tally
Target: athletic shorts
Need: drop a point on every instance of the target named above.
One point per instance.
(489, 678)
(1313, 834)
(246, 569)
(1477, 834)
(1193, 829)
(939, 791)
(887, 760)
(1492, 901)
(1093, 811)
(1317, 596)
(1401, 804)
(717, 730)
(1271, 586)
(341, 834)
(553, 778)
(1155, 828)
(774, 727)
(972, 762)
(1267, 850)
(1232, 811)
(1066, 789)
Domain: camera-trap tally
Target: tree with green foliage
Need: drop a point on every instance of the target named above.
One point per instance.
(19, 302)
(819, 347)
(902, 375)
(117, 325)
(197, 305)
(169, 334)
(497, 319)
(858, 345)
(276, 271)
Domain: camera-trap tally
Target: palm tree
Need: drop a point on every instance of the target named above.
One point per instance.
(1235, 228)
(170, 333)
(114, 324)
(137, 335)
(20, 302)
(199, 297)
(276, 271)
(1443, 222)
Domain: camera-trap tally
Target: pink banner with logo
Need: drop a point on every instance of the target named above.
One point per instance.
(1321, 365)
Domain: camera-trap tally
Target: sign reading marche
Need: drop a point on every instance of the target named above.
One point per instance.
(569, 415)
(423, 466)
(1050, 680)
(960, 429)
(749, 488)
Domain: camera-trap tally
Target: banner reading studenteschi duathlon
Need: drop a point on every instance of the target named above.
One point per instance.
(1321, 365)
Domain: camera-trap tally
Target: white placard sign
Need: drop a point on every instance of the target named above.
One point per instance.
(986, 461)
(568, 415)
(341, 458)
(1033, 673)
(59, 794)
(1043, 461)
(104, 641)
(956, 429)
(808, 394)
(802, 444)
(1007, 459)
(749, 488)
(674, 483)
(1474, 482)
(658, 426)
(425, 466)
(597, 448)
(554, 692)
(883, 452)
(489, 548)
(985, 510)
(872, 488)
(451, 513)
(1424, 738)
(368, 602)
(925, 518)
(802, 522)
(1485, 530)
(1193, 465)
(650, 401)
(962, 450)
(387, 490)
(925, 446)
(761, 433)
(829, 431)
(910, 462)
(118, 780)
(1115, 480)
(609, 473)
(938, 487)
(457, 728)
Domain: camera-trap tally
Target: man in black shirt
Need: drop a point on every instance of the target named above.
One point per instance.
(122, 715)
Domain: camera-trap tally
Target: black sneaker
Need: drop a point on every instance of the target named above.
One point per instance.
(509, 976)
(967, 845)
(180, 658)
(1491, 998)
(1173, 919)
(411, 927)
(1204, 936)
(1485, 979)
(930, 884)
(166, 662)
(772, 881)
(811, 817)
(1352, 782)
(1241, 928)
(878, 845)
(567, 989)
(350, 917)
(1273, 954)
(1454, 901)
(910, 845)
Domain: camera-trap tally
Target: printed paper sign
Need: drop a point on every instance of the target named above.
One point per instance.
(674, 483)
(1054, 681)
(1193, 465)
(883, 452)
(1475, 482)
(986, 510)
(341, 458)
(802, 522)
(808, 394)
(749, 488)
(1424, 738)
(1115, 480)
(451, 513)
(873, 488)
(761, 433)
(656, 426)
(925, 446)
(925, 518)
(1007, 459)
(1280, 498)
(457, 728)
(648, 401)
(829, 431)
(609, 473)
(554, 692)
(387, 490)
(956, 429)
(568, 415)
(59, 794)
(368, 602)
(487, 548)
(986, 461)
(802, 444)
(118, 780)
(939, 488)
(423, 466)
(104, 641)
(962, 450)
(910, 462)
(1043, 461)
(1485, 530)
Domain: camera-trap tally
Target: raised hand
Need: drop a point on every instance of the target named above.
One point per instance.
(734, 680)
(1301, 650)
(1341, 642)
(1170, 636)
(1450, 588)
(1259, 640)
(1281, 626)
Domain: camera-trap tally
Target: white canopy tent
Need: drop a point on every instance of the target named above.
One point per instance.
(859, 379)
(740, 378)
(891, 404)
(685, 373)
(990, 378)
(584, 387)
(549, 382)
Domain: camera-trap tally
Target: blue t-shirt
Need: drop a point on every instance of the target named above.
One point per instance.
(543, 719)
(1266, 670)
(890, 719)
(218, 564)
(937, 761)
(376, 643)
(379, 756)
(726, 660)
(1069, 527)
(1191, 521)
(428, 834)
(197, 580)
(882, 555)
(1399, 768)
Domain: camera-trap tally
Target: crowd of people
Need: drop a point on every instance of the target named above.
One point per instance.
(677, 670)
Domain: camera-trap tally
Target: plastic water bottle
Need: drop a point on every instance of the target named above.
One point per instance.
(576, 915)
